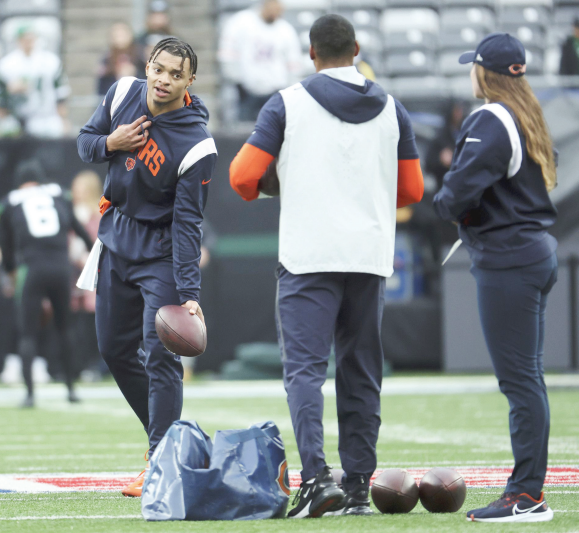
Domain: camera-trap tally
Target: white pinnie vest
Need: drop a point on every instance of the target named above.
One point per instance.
(338, 185)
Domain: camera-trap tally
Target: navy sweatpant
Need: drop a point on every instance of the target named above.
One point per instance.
(312, 312)
(128, 297)
(512, 305)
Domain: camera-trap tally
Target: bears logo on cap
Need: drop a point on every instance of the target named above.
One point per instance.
(517, 69)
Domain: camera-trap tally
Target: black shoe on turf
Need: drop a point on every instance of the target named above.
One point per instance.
(72, 397)
(317, 496)
(28, 403)
(356, 502)
(512, 507)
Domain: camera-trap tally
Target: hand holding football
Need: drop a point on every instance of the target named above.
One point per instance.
(181, 332)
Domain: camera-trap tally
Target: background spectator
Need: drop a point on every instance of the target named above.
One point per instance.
(441, 148)
(121, 58)
(570, 53)
(87, 188)
(36, 87)
(158, 27)
(260, 53)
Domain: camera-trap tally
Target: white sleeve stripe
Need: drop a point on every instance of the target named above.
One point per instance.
(199, 151)
(120, 92)
(517, 150)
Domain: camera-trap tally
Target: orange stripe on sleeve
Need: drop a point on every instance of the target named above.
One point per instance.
(410, 182)
(246, 169)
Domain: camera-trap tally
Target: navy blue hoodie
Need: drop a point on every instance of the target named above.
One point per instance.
(497, 193)
(158, 194)
(351, 103)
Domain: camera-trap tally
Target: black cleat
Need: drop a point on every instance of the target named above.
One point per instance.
(317, 496)
(356, 502)
(511, 507)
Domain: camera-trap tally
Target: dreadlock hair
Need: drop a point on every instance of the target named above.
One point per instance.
(176, 47)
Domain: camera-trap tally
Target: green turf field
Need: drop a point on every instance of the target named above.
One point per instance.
(102, 435)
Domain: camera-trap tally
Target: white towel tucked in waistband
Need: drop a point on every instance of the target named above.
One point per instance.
(90, 273)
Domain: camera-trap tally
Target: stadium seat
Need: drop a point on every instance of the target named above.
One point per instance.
(564, 16)
(307, 4)
(372, 48)
(432, 4)
(546, 3)
(362, 18)
(449, 66)
(535, 61)
(469, 3)
(359, 4)
(410, 40)
(552, 60)
(401, 20)
(233, 5)
(47, 29)
(461, 38)
(412, 63)
(302, 19)
(11, 8)
(532, 16)
(479, 17)
(529, 35)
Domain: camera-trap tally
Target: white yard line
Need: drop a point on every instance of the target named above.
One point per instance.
(275, 389)
(79, 517)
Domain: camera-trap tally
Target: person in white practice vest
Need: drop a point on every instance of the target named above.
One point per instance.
(346, 159)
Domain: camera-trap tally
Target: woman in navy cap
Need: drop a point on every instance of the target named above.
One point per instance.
(497, 192)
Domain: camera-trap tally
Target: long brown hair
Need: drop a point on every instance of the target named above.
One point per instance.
(518, 95)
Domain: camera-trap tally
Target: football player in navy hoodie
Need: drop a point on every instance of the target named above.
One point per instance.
(497, 191)
(161, 156)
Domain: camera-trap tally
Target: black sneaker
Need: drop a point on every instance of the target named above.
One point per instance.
(28, 403)
(317, 496)
(511, 507)
(356, 501)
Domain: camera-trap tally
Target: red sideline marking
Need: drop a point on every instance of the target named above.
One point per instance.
(473, 476)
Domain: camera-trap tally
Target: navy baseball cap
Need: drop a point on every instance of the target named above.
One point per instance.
(499, 52)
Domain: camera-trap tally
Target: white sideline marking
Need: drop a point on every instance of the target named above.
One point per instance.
(10, 396)
(79, 517)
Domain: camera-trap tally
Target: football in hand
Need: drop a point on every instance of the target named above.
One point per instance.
(181, 332)
(269, 182)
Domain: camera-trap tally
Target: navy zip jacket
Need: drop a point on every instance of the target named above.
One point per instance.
(158, 193)
(497, 193)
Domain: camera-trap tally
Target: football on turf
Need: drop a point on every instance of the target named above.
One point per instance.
(394, 491)
(181, 332)
(442, 490)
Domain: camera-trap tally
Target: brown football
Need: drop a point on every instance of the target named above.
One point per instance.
(394, 491)
(442, 490)
(181, 332)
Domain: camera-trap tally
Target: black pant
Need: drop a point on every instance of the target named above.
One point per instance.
(512, 304)
(47, 279)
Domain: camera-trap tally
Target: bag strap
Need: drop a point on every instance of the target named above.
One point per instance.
(252, 433)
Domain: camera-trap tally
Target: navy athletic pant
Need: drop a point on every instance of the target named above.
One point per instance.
(312, 312)
(128, 297)
(512, 305)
